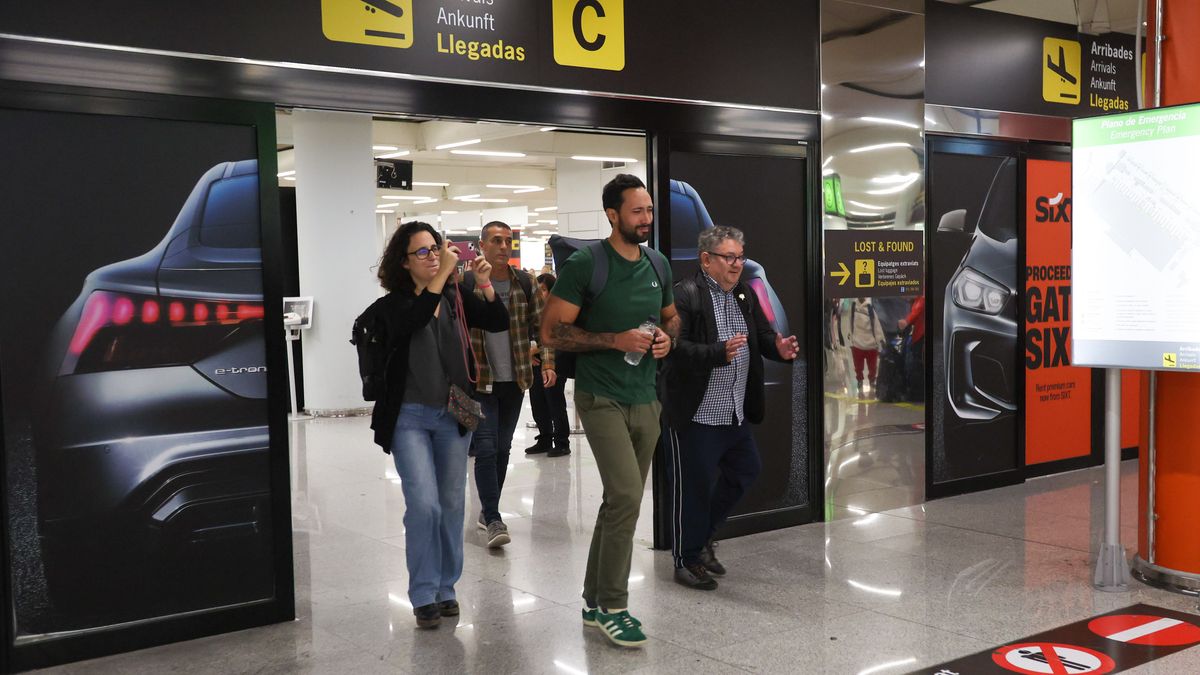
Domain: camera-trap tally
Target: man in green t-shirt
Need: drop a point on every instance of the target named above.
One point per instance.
(616, 401)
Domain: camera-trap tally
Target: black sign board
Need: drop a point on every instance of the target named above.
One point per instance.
(393, 173)
(756, 53)
(1110, 643)
(874, 263)
(993, 61)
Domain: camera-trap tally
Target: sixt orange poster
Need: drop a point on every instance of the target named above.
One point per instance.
(1058, 397)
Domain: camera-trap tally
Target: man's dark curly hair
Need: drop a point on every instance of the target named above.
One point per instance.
(393, 276)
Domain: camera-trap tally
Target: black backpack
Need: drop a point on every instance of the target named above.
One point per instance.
(562, 248)
(369, 338)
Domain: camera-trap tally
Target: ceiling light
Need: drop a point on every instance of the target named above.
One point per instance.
(429, 200)
(528, 189)
(285, 174)
(386, 206)
(420, 183)
(546, 208)
(880, 146)
(459, 144)
(382, 211)
(545, 232)
(487, 153)
(894, 178)
(393, 155)
(405, 198)
(448, 213)
(893, 122)
(500, 186)
(591, 158)
(384, 148)
(549, 222)
(485, 200)
(466, 196)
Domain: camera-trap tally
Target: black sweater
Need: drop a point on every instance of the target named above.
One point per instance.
(402, 314)
(697, 351)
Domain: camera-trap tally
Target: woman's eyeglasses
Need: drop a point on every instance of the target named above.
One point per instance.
(424, 252)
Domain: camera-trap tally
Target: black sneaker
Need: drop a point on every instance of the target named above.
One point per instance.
(537, 448)
(448, 608)
(559, 451)
(708, 558)
(695, 576)
(428, 616)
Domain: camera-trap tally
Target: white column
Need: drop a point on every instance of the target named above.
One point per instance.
(580, 213)
(338, 239)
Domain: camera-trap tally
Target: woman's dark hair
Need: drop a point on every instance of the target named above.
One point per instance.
(547, 280)
(393, 276)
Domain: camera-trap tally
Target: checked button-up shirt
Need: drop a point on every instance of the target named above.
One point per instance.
(725, 398)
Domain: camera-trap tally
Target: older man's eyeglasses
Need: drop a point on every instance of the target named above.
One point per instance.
(424, 252)
(728, 257)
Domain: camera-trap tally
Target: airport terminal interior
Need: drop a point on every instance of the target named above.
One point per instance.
(980, 236)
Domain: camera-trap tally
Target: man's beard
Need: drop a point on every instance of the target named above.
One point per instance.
(630, 234)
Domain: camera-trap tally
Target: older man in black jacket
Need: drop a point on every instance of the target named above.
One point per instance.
(713, 392)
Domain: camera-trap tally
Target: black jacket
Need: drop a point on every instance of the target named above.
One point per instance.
(697, 351)
(403, 314)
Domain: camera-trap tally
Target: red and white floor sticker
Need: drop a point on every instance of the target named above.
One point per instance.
(1048, 658)
(1144, 629)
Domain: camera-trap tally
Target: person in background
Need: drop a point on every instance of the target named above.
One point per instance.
(549, 403)
(505, 371)
(866, 337)
(714, 391)
(428, 353)
(916, 349)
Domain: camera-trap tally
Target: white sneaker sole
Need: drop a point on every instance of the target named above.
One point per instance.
(499, 540)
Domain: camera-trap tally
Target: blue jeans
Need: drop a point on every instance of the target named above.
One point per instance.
(431, 458)
(493, 443)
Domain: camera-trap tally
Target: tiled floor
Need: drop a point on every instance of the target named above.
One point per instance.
(876, 592)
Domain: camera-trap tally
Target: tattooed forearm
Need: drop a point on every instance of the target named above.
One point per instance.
(572, 338)
(671, 326)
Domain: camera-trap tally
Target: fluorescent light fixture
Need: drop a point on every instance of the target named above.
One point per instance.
(459, 144)
(393, 155)
(405, 198)
(593, 158)
(891, 592)
(893, 122)
(546, 208)
(386, 206)
(501, 186)
(868, 206)
(291, 178)
(421, 183)
(448, 213)
(284, 174)
(896, 178)
(485, 200)
(549, 222)
(397, 481)
(890, 664)
(880, 146)
(544, 232)
(384, 148)
(548, 129)
(528, 189)
(487, 153)
(430, 200)
(466, 196)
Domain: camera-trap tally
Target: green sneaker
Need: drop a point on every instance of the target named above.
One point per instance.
(589, 616)
(621, 628)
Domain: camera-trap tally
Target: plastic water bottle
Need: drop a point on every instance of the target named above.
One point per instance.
(648, 327)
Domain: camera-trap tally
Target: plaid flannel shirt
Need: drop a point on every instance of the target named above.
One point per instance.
(524, 321)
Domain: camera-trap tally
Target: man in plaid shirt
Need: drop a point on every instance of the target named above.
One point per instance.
(505, 373)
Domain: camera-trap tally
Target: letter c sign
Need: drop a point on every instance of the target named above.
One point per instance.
(589, 33)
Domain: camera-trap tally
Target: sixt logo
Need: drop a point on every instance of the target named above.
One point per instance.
(238, 370)
(1053, 209)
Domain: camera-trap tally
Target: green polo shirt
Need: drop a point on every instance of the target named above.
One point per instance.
(632, 293)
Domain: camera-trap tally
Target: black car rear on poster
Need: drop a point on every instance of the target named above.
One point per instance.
(150, 423)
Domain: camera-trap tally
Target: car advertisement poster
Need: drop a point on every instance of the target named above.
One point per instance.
(1058, 397)
(973, 315)
(710, 189)
(133, 370)
(1136, 230)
